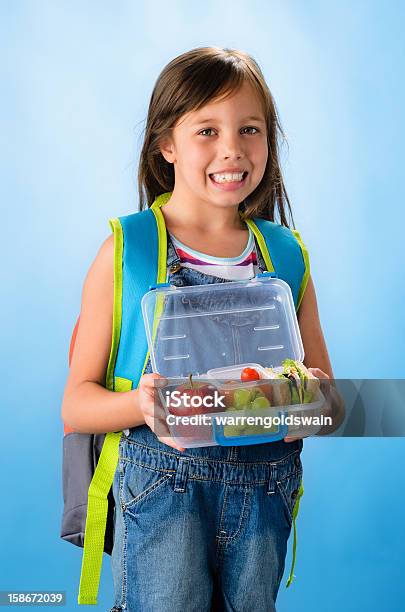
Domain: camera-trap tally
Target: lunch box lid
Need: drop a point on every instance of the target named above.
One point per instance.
(191, 330)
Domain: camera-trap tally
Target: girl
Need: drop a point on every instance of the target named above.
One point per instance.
(200, 528)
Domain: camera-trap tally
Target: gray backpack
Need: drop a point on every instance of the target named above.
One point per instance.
(81, 453)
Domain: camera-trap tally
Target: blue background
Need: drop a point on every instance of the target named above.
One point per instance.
(76, 80)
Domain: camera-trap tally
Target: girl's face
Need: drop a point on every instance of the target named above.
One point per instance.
(220, 151)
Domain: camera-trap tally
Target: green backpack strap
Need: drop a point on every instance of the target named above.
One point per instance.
(295, 513)
(97, 500)
(97, 508)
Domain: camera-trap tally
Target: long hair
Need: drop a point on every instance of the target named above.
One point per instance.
(187, 83)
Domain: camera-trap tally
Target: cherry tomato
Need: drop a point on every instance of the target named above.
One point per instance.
(249, 374)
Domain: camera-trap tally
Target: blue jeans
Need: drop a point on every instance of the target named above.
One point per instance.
(202, 530)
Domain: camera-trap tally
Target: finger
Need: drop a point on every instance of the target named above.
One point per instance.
(153, 409)
(158, 425)
(161, 430)
(318, 372)
(170, 442)
(152, 391)
(154, 381)
(292, 439)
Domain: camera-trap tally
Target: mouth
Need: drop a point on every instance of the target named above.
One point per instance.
(228, 184)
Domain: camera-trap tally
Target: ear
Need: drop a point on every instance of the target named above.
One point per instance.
(168, 150)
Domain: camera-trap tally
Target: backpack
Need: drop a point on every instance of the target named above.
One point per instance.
(81, 453)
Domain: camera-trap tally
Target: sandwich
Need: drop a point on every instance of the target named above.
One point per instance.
(296, 384)
(304, 385)
(281, 388)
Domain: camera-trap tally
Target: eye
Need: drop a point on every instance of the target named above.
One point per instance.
(206, 130)
(250, 128)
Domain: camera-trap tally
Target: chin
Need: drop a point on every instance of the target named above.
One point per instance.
(227, 202)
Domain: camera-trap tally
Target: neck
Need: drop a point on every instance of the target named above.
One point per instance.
(185, 210)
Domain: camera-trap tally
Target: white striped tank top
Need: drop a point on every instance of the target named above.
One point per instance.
(242, 267)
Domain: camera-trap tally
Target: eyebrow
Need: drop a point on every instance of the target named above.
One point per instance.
(250, 118)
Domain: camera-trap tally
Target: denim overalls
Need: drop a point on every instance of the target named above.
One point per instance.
(205, 529)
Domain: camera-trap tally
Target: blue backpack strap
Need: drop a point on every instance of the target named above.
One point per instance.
(144, 262)
(283, 252)
(139, 273)
(306, 274)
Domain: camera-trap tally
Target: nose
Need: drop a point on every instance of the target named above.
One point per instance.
(231, 147)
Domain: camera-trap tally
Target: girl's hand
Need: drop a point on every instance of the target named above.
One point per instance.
(319, 374)
(152, 410)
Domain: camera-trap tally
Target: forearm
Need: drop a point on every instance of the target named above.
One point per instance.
(90, 408)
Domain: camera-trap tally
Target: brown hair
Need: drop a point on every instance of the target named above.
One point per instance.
(187, 83)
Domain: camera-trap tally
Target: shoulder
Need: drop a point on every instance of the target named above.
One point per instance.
(279, 234)
(107, 248)
(117, 224)
(134, 220)
(100, 276)
(271, 227)
(137, 238)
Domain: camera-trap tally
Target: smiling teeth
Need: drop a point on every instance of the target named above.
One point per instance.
(228, 177)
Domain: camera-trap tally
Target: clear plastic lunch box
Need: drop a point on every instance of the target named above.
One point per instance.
(213, 332)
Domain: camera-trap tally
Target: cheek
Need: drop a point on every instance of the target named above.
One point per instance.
(262, 146)
(258, 158)
(197, 158)
(259, 155)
